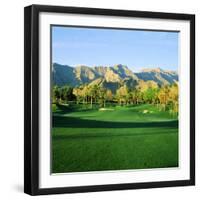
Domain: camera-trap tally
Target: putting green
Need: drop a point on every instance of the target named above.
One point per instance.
(117, 138)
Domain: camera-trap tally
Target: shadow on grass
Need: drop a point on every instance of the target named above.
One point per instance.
(72, 122)
(84, 135)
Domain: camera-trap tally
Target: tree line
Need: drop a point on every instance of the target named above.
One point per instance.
(146, 92)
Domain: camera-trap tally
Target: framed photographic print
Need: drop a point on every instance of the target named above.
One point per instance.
(109, 99)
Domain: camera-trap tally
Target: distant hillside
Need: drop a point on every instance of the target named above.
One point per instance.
(110, 77)
(64, 74)
(162, 77)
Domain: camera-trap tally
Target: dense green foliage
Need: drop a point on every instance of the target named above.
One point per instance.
(113, 138)
(146, 92)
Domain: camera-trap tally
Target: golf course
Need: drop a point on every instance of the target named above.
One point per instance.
(112, 138)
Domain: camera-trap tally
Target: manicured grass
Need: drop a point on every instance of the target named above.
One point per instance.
(85, 139)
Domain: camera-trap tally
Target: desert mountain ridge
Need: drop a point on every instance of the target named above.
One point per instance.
(109, 76)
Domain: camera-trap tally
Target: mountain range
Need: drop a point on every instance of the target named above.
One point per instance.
(109, 76)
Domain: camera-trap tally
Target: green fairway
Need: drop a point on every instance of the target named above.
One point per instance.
(116, 138)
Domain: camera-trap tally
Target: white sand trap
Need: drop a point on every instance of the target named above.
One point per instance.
(106, 109)
(145, 111)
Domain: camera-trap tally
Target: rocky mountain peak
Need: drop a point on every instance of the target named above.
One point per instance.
(112, 75)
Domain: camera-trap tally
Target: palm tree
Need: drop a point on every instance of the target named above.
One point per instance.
(93, 93)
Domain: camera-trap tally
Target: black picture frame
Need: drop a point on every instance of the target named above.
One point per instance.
(31, 98)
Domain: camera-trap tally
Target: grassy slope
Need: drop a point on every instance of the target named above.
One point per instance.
(126, 138)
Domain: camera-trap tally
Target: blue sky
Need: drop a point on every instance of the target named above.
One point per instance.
(136, 49)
